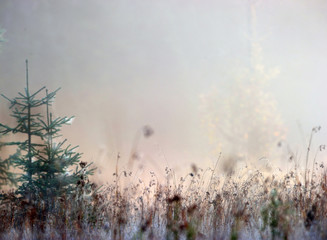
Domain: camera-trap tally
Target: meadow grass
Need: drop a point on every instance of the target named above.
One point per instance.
(243, 204)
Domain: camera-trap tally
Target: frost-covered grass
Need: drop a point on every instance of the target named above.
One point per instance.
(202, 205)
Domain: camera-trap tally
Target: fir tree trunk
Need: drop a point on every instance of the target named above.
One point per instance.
(29, 130)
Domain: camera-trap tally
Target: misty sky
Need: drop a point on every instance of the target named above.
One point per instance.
(123, 64)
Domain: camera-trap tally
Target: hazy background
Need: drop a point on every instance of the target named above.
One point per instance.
(123, 64)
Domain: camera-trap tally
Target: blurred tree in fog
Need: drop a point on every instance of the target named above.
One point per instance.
(243, 120)
(2, 39)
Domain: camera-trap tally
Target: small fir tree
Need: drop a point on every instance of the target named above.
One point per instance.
(44, 161)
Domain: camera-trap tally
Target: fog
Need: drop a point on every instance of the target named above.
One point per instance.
(124, 64)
